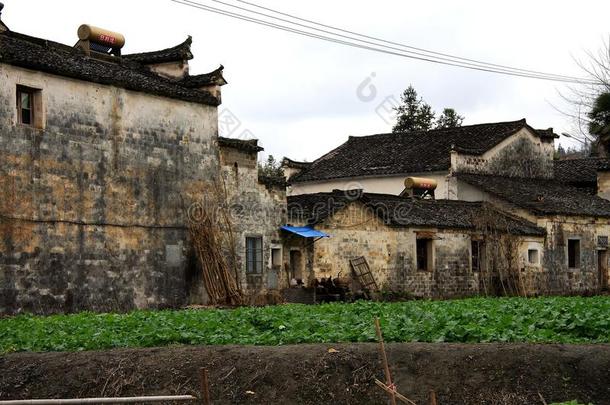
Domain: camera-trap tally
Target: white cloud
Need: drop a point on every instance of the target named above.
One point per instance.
(299, 94)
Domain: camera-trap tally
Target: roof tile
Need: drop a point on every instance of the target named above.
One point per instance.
(52, 57)
(410, 152)
(541, 197)
(398, 211)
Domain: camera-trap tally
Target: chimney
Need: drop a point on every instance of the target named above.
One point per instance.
(419, 187)
(603, 181)
(3, 27)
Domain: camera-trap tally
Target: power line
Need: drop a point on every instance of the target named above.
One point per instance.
(427, 58)
(457, 58)
(477, 64)
(407, 54)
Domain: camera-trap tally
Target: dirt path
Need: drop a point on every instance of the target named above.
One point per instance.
(309, 374)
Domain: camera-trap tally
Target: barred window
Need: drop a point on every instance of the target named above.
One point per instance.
(254, 255)
(476, 254)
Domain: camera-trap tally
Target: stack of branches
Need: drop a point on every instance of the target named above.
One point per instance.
(500, 273)
(211, 233)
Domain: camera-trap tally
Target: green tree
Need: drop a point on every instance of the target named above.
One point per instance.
(270, 168)
(599, 116)
(449, 118)
(413, 114)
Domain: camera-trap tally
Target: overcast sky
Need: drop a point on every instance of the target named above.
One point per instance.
(299, 95)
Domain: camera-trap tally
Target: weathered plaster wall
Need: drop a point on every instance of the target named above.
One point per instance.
(92, 206)
(603, 184)
(521, 154)
(171, 70)
(557, 277)
(257, 210)
(390, 252)
(382, 185)
(553, 276)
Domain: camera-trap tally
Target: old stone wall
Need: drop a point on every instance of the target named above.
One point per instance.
(390, 252)
(92, 205)
(257, 210)
(585, 278)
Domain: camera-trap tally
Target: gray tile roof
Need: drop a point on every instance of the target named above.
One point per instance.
(176, 53)
(539, 196)
(398, 211)
(205, 79)
(250, 145)
(580, 173)
(51, 57)
(411, 152)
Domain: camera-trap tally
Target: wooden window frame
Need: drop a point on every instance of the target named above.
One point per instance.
(36, 108)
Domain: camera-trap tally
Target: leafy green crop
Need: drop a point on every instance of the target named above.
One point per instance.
(554, 319)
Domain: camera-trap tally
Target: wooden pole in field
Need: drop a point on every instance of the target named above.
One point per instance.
(384, 359)
(205, 390)
(399, 396)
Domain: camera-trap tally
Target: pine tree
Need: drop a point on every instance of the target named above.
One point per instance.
(449, 119)
(414, 114)
(599, 116)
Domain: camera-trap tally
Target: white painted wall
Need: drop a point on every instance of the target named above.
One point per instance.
(393, 184)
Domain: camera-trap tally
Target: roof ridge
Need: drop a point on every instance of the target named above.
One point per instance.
(584, 158)
(522, 120)
(181, 51)
(59, 59)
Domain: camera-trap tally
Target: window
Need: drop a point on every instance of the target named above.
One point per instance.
(29, 106)
(573, 253)
(276, 257)
(254, 255)
(476, 250)
(424, 254)
(533, 256)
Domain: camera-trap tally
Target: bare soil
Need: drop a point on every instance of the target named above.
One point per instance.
(310, 374)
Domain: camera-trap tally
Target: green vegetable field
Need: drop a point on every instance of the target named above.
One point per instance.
(555, 319)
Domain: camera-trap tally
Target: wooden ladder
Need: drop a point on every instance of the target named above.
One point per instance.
(361, 269)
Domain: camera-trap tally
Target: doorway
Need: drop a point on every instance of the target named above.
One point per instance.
(602, 268)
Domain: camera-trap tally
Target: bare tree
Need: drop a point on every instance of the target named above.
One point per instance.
(582, 96)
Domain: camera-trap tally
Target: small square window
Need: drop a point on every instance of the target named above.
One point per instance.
(29, 106)
(533, 256)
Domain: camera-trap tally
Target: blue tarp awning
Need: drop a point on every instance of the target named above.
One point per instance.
(305, 231)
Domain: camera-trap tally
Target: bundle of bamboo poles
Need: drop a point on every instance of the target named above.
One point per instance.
(208, 237)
